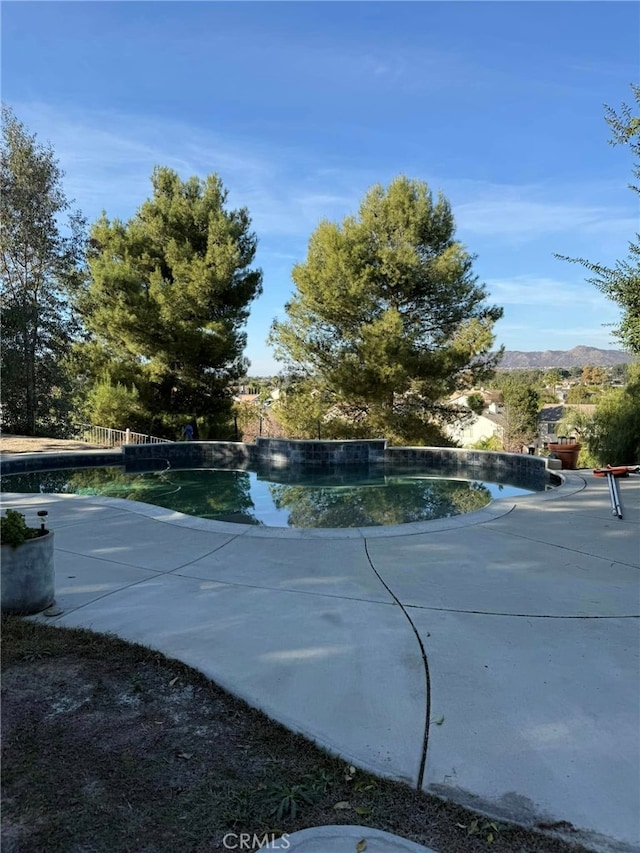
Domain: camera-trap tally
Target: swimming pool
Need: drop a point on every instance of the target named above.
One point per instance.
(355, 496)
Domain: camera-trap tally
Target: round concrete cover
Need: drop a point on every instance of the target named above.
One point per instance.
(345, 839)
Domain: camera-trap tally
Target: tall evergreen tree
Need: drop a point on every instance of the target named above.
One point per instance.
(521, 404)
(40, 266)
(387, 318)
(168, 297)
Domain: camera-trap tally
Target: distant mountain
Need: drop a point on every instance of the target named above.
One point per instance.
(576, 357)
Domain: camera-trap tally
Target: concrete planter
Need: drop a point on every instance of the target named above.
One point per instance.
(27, 576)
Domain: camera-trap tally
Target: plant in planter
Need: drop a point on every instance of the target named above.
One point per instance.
(27, 572)
(14, 529)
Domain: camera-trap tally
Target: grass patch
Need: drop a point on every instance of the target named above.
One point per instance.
(110, 746)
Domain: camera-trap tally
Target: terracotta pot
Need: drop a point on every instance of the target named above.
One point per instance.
(567, 454)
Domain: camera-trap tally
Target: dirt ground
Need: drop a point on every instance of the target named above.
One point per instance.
(24, 444)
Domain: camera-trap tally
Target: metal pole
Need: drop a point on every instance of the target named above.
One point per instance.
(616, 509)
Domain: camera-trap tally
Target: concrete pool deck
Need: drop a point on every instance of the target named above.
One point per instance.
(492, 659)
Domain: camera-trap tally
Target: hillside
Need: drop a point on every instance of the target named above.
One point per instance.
(576, 357)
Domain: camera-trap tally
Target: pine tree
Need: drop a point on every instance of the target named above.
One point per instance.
(168, 297)
(387, 318)
(521, 405)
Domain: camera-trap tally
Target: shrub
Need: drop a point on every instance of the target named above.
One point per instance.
(614, 437)
(14, 530)
(493, 442)
(114, 405)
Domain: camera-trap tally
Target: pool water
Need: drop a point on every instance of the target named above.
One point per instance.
(352, 499)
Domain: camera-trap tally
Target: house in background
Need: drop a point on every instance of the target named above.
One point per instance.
(491, 423)
(550, 417)
(480, 428)
(476, 428)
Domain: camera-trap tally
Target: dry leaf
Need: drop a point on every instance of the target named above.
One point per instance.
(362, 810)
(342, 805)
(185, 755)
(361, 845)
(173, 681)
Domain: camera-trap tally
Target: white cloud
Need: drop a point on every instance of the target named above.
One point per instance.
(538, 337)
(525, 290)
(519, 215)
(546, 313)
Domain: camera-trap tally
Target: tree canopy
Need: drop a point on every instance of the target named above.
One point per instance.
(613, 435)
(387, 319)
(40, 265)
(167, 300)
(621, 283)
(521, 404)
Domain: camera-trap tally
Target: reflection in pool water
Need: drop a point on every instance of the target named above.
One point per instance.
(354, 498)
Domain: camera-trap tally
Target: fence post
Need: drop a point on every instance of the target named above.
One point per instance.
(127, 436)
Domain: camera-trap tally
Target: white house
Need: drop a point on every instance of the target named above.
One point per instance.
(477, 428)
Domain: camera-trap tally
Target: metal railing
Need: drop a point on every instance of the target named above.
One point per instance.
(108, 437)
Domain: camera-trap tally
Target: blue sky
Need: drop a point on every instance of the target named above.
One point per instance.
(300, 107)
